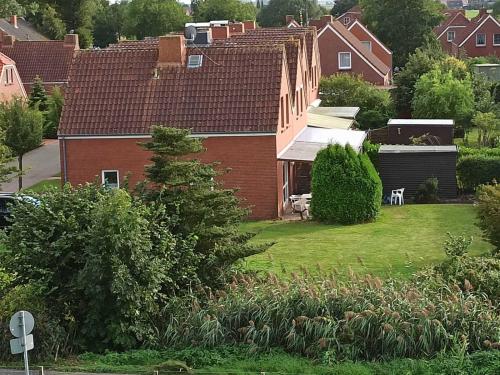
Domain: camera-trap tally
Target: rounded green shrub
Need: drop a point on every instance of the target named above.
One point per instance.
(346, 188)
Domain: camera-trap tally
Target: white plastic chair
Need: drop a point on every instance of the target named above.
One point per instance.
(397, 196)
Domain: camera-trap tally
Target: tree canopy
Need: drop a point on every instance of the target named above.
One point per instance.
(275, 12)
(234, 10)
(440, 94)
(342, 6)
(153, 18)
(401, 25)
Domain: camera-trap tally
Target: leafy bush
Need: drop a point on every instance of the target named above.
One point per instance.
(489, 214)
(456, 246)
(360, 319)
(427, 192)
(477, 168)
(345, 90)
(345, 186)
(99, 257)
(52, 339)
(371, 149)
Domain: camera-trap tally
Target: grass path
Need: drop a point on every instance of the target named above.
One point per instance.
(402, 240)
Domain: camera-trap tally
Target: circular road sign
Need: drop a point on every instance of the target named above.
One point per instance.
(16, 327)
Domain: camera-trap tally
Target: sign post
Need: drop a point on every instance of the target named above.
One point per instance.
(21, 325)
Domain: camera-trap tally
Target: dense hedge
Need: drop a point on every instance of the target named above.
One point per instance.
(371, 149)
(489, 214)
(477, 167)
(346, 188)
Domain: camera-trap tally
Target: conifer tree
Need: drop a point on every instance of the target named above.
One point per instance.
(196, 204)
(38, 96)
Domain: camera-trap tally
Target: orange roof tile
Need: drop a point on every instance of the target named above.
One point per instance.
(122, 91)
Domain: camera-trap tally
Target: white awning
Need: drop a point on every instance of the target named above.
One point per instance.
(311, 140)
(328, 122)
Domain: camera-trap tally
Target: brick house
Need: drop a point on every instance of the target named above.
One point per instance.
(368, 39)
(341, 51)
(460, 36)
(247, 102)
(48, 59)
(11, 85)
(353, 14)
(455, 20)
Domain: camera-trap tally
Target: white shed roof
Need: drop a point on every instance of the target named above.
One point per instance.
(311, 140)
(321, 121)
(397, 121)
(344, 112)
(403, 149)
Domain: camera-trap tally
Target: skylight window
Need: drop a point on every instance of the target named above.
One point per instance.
(195, 61)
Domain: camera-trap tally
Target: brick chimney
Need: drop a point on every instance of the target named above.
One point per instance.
(71, 41)
(220, 32)
(249, 25)
(13, 21)
(289, 18)
(172, 50)
(327, 19)
(236, 28)
(8, 41)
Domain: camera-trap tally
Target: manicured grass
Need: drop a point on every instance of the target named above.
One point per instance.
(402, 240)
(44, 185)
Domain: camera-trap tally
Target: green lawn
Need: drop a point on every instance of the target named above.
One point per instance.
(401, 241)
(471, 13)
(44, 185)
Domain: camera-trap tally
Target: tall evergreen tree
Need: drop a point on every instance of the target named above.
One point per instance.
(38, 96)
(197, 205)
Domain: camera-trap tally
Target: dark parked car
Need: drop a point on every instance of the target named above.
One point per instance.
(9, 199)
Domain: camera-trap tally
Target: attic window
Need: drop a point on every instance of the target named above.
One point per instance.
(450, 36)
(195, 61)
(347, 20)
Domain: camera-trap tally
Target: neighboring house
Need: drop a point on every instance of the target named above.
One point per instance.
(454, 4)
(50, 59)
(460, 36)
(481, 37)
(290, 22)
(19, 29)
(237, 96)
(455, 21)
(353, 14)
(370, 41)
(10, 82)
(342, 52)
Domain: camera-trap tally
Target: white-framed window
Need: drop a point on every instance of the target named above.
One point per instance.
(344, 60)
(286, 190)
(480, 40)
(195, 61)
(111, 179)
(367, 44)
(496, 39)
(450, 36)
(9, 76)
(347, 20)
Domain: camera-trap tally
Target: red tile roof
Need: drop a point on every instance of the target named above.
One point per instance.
(122, 91)
(465, 32)
(50, 60)
(455, 17)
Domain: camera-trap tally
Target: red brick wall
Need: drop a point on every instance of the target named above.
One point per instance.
(330, 45)
(489, 28)
(377, 50)
(248, 163)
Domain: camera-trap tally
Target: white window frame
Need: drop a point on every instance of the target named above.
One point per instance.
(367, 44)
(451, 32)
(481, 45)
(9, 75)
(346, 20)
(340, 59)
(286, 180)
(495, 44)
(117, 178)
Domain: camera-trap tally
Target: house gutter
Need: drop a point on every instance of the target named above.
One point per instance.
(65, 167)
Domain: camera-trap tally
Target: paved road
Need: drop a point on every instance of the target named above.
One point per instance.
(40, 164)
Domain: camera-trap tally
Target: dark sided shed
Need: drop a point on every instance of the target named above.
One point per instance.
(400, 131)
(408, 166)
